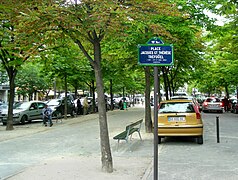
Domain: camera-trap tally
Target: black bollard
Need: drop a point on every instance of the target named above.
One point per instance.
(217, 124)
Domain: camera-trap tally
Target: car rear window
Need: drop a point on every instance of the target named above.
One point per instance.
(54, 102)
(176, 107)
(213, 100)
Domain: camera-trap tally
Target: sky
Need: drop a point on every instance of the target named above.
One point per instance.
(220, 19)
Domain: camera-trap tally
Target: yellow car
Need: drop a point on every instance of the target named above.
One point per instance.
(179, 117)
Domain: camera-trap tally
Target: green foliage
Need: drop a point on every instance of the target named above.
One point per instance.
(30, 80)
(60, 61)
(220, 69)
(179, 24)
(4, 77)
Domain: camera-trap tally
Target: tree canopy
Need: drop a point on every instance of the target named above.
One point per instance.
(74, 39)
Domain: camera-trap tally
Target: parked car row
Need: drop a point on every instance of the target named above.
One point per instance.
(214, 104)
(29, 111)
(181, 115)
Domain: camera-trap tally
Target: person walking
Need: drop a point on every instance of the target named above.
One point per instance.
(79, 106)
(85, 106)
(226, 104)
(142, 101)
(121, 105)
(47, 115)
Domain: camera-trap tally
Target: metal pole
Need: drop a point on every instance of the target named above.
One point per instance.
(55, 88)
(217, 125)
(236, 92)
(156, 123)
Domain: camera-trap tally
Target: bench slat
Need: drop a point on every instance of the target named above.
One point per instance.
(122, 135)
(134, 124)
(133, 130)
(130, 129)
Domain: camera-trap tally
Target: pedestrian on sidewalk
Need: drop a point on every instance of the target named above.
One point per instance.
(121, 105)
(226, 103)
(79, 106)
(47, 115)
(85, 106)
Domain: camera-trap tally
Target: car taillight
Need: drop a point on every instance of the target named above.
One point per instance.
(205, 103)
(221, 104)
(198, 115)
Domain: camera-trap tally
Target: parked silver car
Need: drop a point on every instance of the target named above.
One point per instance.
(212, 104)
(24, 112)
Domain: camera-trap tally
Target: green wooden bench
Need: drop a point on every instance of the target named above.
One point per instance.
(130, 129)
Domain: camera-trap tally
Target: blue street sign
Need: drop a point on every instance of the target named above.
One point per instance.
(155, 54)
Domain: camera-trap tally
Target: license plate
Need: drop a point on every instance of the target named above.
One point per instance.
(176, 119)
(214, 106)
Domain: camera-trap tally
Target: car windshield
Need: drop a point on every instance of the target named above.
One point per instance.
(176, 107)
(54, 102)
(23, 105)
(180, 94)
(3, 106)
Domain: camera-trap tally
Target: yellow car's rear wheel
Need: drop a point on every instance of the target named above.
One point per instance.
(159, 140)
(200, 139)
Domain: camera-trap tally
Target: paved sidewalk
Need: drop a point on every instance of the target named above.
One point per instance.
(131, 162)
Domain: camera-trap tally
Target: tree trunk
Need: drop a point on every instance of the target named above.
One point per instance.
(111, 94)
(123, 92)
(11, 74)
(106, 158)
(94, 98)
(65, 99)
(54, 88)
(148, 121)
(227, 91)
(165, 83)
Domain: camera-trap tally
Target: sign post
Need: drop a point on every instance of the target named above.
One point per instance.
(155, 53)
(156, 85)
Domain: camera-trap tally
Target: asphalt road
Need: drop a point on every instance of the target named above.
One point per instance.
(183, 159)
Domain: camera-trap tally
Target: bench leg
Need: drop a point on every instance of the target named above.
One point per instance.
(130, 137)
(118, 141)
(140, 135)
(128, 144)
